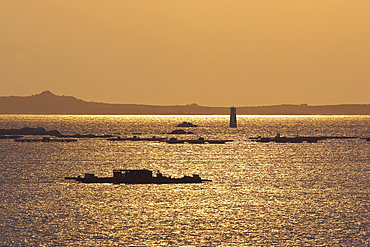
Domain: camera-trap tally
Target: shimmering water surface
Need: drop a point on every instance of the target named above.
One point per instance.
(262, 194)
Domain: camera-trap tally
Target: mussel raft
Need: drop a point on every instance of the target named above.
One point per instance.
(144, 176)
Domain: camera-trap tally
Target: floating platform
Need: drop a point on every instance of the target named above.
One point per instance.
(136, 138)
(44, 139)
(137, 177)
(297, 139)
(197, 141)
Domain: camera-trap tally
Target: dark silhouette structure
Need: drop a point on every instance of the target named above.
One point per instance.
(137, 177)
(232, 117)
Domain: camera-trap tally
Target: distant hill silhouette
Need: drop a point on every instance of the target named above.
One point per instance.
(49, 103)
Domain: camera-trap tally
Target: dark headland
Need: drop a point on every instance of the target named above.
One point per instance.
(49, 103)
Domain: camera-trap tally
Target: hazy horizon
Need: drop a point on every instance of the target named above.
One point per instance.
(212, 53)
(45, 92)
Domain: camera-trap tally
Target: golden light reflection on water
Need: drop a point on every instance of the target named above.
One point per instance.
(262, 194)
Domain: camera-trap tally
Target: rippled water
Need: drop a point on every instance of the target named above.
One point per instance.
(262, 194)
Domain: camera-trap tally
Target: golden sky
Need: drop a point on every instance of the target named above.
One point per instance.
(166, 52)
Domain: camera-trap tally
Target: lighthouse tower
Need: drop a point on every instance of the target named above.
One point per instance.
(232, 117)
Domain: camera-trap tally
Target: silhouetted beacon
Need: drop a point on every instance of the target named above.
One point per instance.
(232, 117)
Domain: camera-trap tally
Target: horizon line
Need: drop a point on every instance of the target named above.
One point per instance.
(189, 104)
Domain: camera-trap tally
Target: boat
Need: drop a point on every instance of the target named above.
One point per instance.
(129, 176)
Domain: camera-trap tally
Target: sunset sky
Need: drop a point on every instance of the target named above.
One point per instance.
(167, 52)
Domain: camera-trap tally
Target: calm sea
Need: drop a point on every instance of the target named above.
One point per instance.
(262, 194)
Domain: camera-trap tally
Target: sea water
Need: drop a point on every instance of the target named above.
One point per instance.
(261, 194)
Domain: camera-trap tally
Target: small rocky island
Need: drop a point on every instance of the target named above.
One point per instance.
(186, 124)
(41, 131)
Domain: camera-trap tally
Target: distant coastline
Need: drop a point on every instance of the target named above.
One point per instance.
(49, 103)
